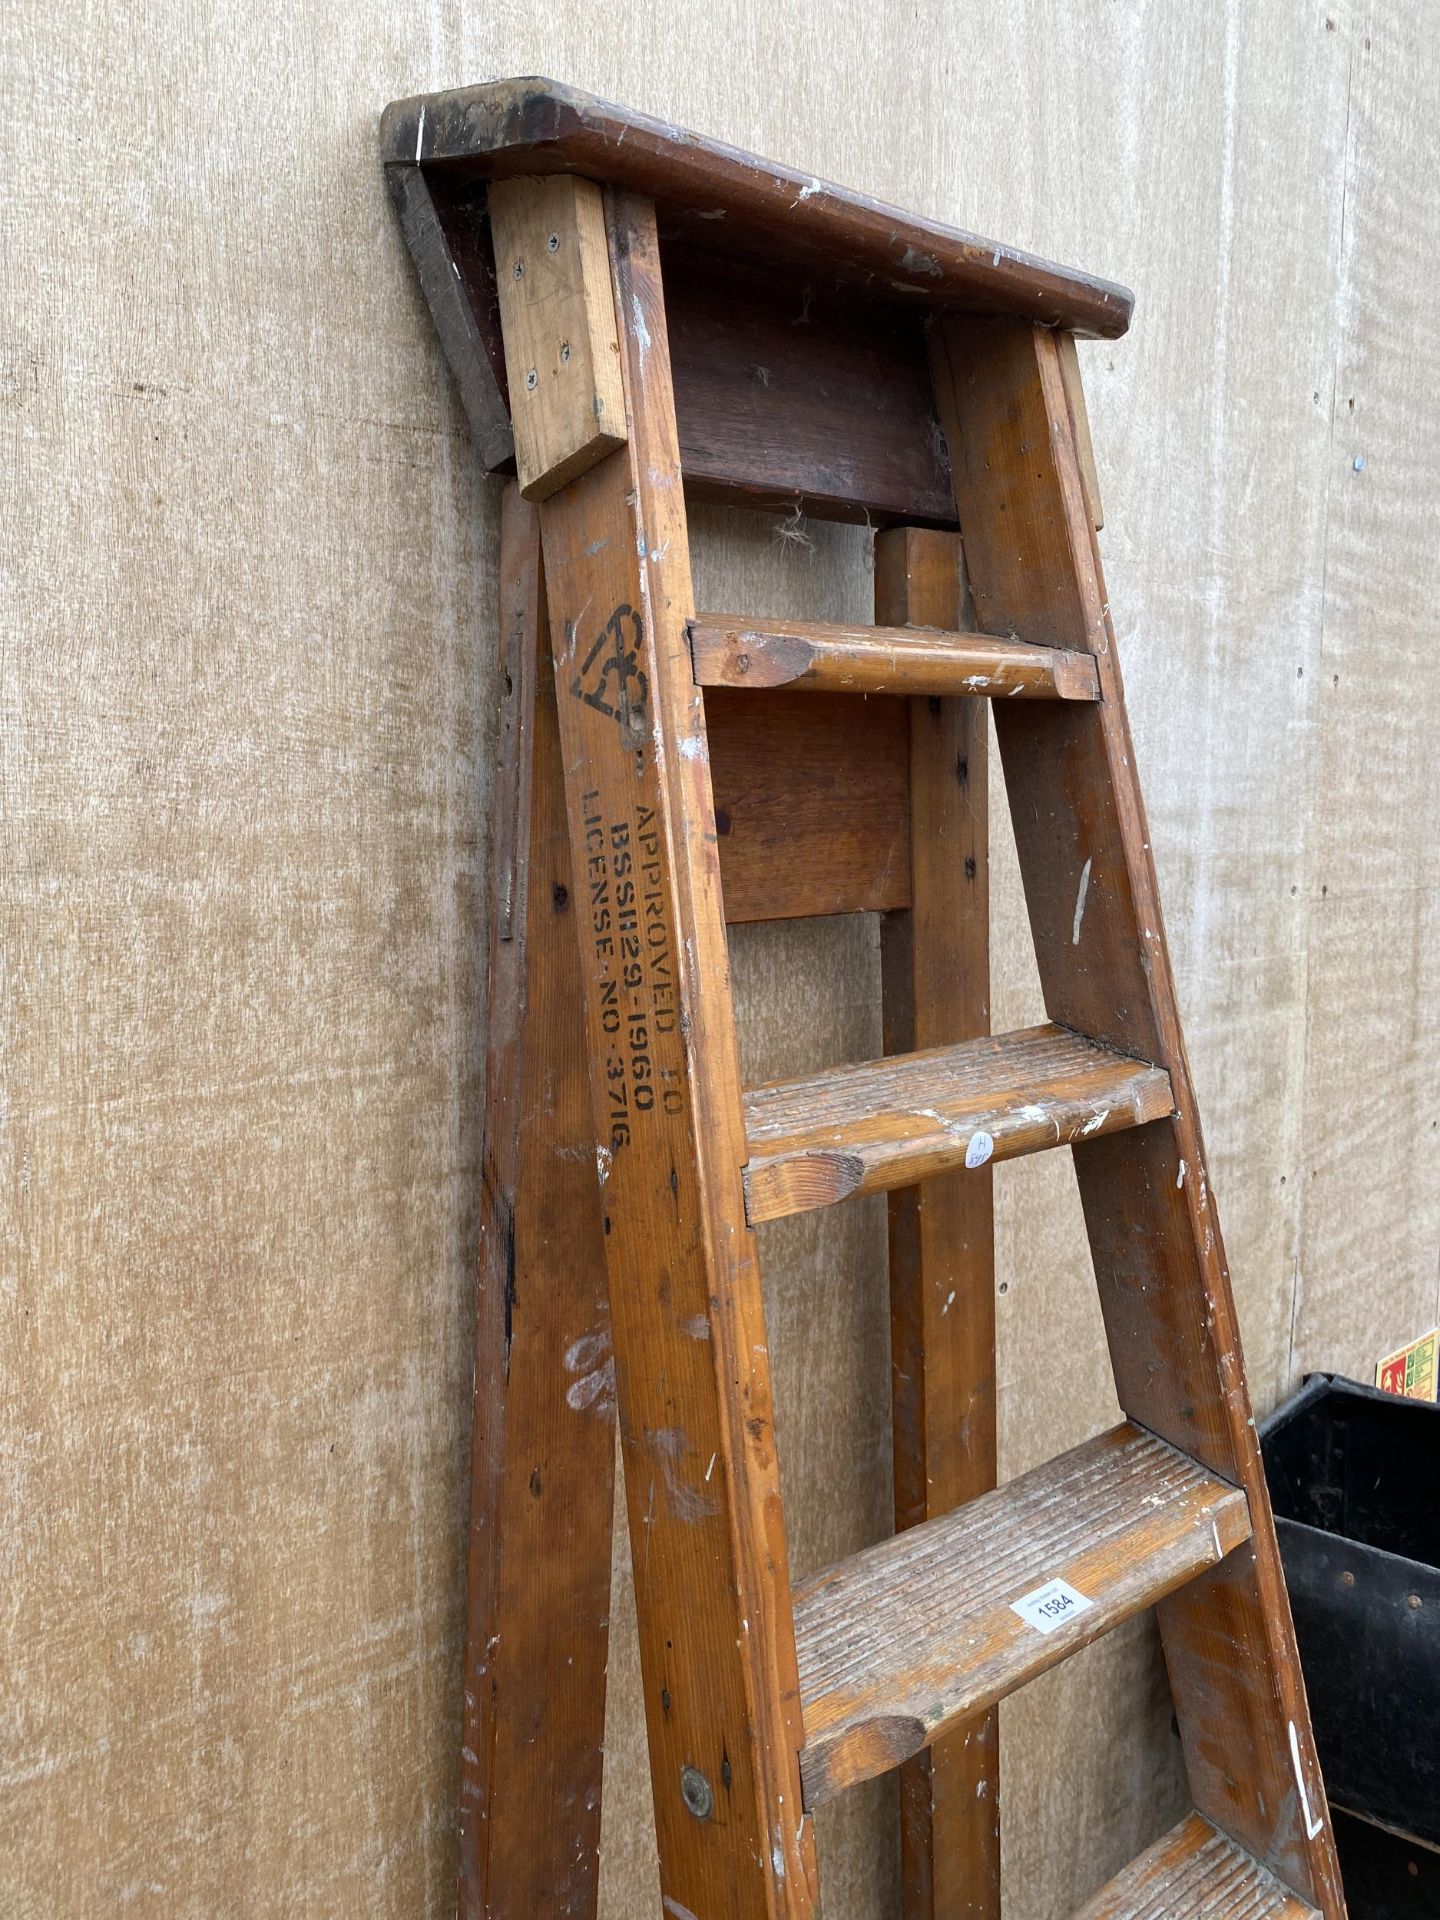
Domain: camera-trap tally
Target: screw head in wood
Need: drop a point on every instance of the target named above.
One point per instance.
(519, 269)
(532, 380)
(695, 1792)
(553, 243)
(564, 352)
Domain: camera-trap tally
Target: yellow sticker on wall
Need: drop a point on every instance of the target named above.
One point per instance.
(1411, 1372)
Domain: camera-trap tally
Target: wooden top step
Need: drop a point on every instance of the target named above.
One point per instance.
(1195, 1873)
(824, 658)
(738, 203)
(889, 1123)
(902, 1641)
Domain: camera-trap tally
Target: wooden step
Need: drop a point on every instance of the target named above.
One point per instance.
(918, 1633)
(892, 1122)
(1195, 1873)
(817, 655)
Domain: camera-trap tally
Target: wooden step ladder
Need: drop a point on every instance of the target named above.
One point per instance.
(664, 770)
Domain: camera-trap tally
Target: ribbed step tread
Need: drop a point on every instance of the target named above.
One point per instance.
(891, 1122)
(729, 651)
(901, 1641)
(1195, 1873)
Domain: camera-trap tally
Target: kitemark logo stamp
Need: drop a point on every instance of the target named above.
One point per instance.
(610, 678)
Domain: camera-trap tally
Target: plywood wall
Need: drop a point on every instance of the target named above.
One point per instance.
(246, 718)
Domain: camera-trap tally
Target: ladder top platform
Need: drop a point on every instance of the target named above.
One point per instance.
(732, 202)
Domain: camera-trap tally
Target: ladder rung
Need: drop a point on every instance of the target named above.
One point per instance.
(892, 1122)
(1193, 1873)
(730, 652)
(903, 1640)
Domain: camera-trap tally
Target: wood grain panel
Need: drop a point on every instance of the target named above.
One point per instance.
(793, 398)
(812, 802)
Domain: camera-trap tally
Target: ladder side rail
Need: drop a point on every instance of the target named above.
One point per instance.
(542, 1472)
(1094, 909)
(692, 1371)
(935, 962)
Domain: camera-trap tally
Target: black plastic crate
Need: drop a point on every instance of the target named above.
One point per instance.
(1388, 1876)
(1355, 1483)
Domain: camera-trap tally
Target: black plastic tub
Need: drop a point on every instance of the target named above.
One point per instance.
(1388, 1876)
(1355, 1483)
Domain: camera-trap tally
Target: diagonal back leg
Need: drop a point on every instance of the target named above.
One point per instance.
(1094, 912)
(542, 1470)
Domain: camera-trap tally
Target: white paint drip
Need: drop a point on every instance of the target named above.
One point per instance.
(1080, 904)
(668, 1445)
(642, 332)
(674, 1907)
(591, 1358)
(1312, 1825)
(692, 748)
(602, 1163)
(419, 136)
(582, 1354)
(592, 1388)
(1095, 1122)
(1180, 1176)
(949, 1302)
